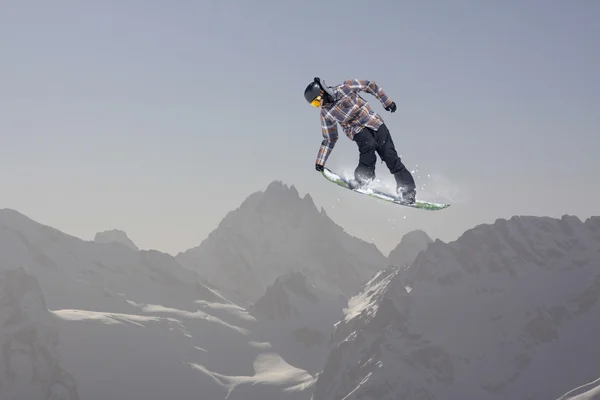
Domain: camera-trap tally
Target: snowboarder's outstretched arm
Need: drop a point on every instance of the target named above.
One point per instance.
(367, 86)
(330, 137)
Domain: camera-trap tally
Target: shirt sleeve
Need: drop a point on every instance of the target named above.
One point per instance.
(363, 85)
(330, 137)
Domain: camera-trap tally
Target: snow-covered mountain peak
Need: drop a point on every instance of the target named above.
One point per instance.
(12, 221)
(105, 296)
(487, 316)
(277, 231)
(96, 273)
(509, 248)
(277, 198)
(116, 236)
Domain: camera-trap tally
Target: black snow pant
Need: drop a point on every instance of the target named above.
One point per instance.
(370, 142)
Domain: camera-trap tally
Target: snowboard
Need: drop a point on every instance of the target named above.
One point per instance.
(372, 192)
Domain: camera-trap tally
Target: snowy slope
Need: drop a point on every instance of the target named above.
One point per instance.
(97, 276)
(164, 353)
(298, 319)
(138, 325)
(156, 352)
(277, 231)
(507, 311)
(115, 236)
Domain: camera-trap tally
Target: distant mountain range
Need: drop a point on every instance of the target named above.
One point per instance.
(279, 302)
(277, 231)
(507, 311)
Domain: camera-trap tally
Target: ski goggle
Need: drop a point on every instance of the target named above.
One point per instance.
(317, 101)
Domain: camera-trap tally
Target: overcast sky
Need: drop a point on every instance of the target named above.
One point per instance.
(158, 118)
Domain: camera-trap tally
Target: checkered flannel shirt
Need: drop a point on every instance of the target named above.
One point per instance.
(351, 111)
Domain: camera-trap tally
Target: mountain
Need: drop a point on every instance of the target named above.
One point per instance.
(507, 311)
(298, 318)
(409, 247)
(138, 325)
(156, 352)
(285, 297)
(29, 338)
(487, 316)
(116, 236)
(276, 231)
(91, 275)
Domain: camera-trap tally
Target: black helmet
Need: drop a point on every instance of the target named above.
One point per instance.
(312, 91)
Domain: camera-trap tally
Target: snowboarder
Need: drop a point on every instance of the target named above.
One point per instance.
(343, 104)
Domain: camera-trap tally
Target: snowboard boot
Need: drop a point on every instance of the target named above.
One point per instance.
(408, 195)
(362, 178)
(360, 183)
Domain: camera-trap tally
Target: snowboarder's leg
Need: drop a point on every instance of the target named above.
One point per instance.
(387, 151)
(367, 146)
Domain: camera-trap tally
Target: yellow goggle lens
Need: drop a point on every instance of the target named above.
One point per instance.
(316, 102)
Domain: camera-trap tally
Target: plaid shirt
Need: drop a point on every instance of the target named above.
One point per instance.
(351, 111)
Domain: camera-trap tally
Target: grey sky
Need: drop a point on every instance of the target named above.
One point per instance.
(158, 118)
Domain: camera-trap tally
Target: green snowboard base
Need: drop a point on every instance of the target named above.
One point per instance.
(392, 198)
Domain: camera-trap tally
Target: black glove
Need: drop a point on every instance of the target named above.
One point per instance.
(391, 108)
(318, 167)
